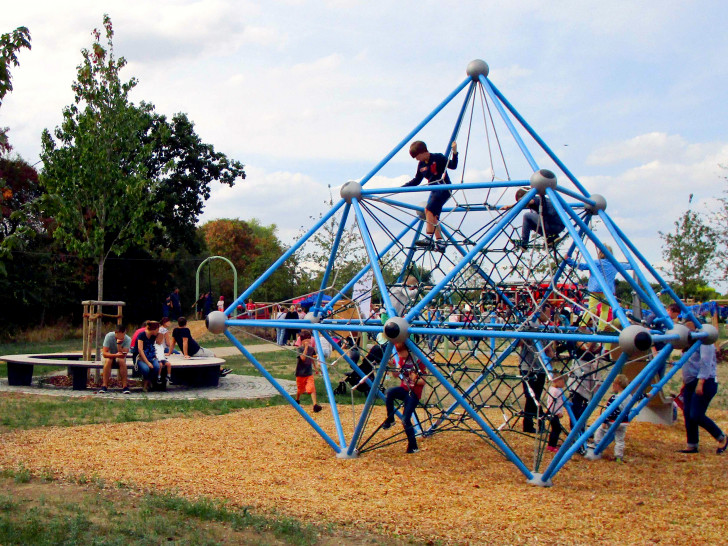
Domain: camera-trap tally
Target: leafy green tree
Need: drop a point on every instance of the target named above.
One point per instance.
(10, 44)
(688, 251)
(95, 174)
(182, 167)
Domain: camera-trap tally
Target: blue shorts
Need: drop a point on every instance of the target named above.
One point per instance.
(436, 201)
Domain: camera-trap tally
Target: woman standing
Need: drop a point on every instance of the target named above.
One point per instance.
(700, 388)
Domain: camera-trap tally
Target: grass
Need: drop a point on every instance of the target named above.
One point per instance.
(36, 511)
(31, 411)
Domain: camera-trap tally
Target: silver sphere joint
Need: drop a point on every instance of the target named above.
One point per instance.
(684, 333)
(477, 68)
(635, 339)
(351, 190)
(543, 179)
(396, 329)
(313, 319)
(215, 322)
(600, 203)
(712, 336)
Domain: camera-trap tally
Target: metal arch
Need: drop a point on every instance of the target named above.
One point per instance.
(199, 268)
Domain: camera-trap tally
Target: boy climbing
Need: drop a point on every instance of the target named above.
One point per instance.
(432, 167)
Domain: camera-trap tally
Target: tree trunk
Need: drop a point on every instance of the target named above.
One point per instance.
(100, 289)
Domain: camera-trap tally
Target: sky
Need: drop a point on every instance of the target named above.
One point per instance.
(309, 94)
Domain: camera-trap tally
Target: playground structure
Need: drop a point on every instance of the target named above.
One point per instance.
(494, 299)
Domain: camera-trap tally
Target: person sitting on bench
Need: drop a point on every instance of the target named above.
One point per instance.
(116, 346)
(190, 348)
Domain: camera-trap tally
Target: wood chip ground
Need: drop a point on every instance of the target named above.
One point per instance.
(455, 490)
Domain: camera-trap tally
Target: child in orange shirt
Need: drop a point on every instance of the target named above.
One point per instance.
(306, 364)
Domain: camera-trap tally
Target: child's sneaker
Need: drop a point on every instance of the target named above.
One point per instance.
(102, 390)
(387, 424)
(552, 449)
(412, 449)
(126, 391)
(619, 460)
(317, 408)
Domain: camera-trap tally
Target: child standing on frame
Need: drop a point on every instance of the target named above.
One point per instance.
(305, 366)
(433, 168)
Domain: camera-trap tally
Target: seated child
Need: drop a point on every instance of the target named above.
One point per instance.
(620, 383)
(159, 351)
(556, 410)
(305, 365)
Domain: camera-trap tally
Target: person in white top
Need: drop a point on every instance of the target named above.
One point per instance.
(221, 304)
(556, 410)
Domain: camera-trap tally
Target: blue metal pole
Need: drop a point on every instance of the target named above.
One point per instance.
(414, 131)
(485, 276)
(634, 389)
(507, 120)
(459, 121)
(370, 399)
(366, 237)
(538, 139)
(330, 305)
(282, 391)
(475, 384)
(332, 256)
(666, 287)
(593, 268)
(653, 299)
(507, 451)
(574, 439)
(618, 266)
(427, 188)
(660, 384)
(575, 195)
(492, 233)
(298, 244)
(330, 392)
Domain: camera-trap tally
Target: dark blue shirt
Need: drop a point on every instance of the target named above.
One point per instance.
(179, 334)
(434, 170)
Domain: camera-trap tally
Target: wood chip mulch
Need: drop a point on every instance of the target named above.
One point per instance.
(455, 490)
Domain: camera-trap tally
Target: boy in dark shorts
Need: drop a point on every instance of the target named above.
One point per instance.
(305, 366)
(432, 167)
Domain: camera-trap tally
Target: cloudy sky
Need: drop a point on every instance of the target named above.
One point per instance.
(630, 95)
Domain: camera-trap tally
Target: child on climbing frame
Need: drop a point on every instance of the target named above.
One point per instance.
(305, 366)
(556, 410)
(433, 168)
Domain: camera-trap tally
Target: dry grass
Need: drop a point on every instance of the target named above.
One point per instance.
(456, 489)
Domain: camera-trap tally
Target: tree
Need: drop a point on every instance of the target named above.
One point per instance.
(350, 256)
(19, 189)
(252, 248)
(720, 221)
(688, 250)
(98, 189)
(183, 167)
(10, 44)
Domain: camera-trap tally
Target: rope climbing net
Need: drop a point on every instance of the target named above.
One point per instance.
(513, 316)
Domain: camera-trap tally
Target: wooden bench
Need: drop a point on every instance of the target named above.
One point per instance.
(194, 372)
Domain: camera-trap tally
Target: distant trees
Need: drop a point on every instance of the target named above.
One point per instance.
(252, 248)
